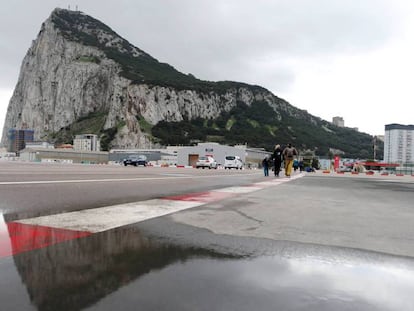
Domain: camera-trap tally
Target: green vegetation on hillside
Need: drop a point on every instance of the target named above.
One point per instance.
(257, 126)
(89, 59)
(144, 125)
(92, 123)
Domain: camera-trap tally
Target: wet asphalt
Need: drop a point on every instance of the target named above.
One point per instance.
(133, 268)
(315, 243)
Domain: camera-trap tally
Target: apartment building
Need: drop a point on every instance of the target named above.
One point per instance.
(86, 142)
(18, 139)
(398, 144)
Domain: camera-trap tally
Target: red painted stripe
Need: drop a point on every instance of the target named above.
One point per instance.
(204, 197)
(22, 238)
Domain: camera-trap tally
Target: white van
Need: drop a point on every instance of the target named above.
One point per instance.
(233, 162)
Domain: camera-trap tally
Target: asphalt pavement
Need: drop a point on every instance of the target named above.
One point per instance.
(362, 212)
(72, 239)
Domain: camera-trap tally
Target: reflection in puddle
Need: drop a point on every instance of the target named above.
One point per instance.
(75, 274)
(384, 285)
(266, 283)
(5, 245)
(123, 268)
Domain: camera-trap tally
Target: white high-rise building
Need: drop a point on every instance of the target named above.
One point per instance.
(398, 143)
(86, 142)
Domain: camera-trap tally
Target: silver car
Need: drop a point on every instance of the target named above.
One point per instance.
(208, 162)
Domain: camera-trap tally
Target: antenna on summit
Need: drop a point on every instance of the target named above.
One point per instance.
(76, 8)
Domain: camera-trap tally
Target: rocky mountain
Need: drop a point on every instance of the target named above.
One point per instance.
(79, 76)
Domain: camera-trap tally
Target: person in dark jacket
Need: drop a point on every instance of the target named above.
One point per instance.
(277, 157)
(265, 164)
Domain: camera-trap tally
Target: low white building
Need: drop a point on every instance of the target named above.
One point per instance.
(249, 156)
(189, 155)
(40, 144)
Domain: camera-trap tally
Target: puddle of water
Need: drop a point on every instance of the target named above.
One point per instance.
(77, 273)
(266, 283)
(5, 245)
(13, 293)
(123, 268)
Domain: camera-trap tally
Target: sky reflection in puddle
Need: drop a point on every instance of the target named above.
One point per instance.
(267, 284)
(127, 269)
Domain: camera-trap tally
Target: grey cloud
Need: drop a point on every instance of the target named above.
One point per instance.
(210, 38)
(289, 26)
(214, 39)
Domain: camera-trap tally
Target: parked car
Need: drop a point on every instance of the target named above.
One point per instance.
(136, 160)
(233, 162)
(208, 162)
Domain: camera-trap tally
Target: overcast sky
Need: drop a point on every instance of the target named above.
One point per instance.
(348, 58)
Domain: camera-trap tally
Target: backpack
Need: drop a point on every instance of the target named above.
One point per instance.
(290, 152)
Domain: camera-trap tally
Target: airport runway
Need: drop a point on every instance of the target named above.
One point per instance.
(101, 237)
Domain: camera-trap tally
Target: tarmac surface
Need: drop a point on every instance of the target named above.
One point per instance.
(231, 241)
(374, 214)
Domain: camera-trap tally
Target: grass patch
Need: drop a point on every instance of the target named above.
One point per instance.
(253, 123)
(89, 59)
(215, 138)
(144, 125)
(272, 129)
(230, 122)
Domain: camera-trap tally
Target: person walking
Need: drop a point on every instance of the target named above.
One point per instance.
(295, 164)
(277, 157)
(265, 164)
(288, 154)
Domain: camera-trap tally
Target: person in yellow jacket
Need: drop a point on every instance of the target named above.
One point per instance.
(289, 154)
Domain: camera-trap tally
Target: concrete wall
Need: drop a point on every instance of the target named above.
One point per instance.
(61, 155)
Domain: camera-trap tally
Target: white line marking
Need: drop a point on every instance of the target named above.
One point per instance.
(267, 183)
(247, 189)
(393, 180)
(110, 180)
(105, 218)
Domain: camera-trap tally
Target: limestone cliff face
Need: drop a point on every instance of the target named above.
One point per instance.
(58, 84)
(62, 80)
